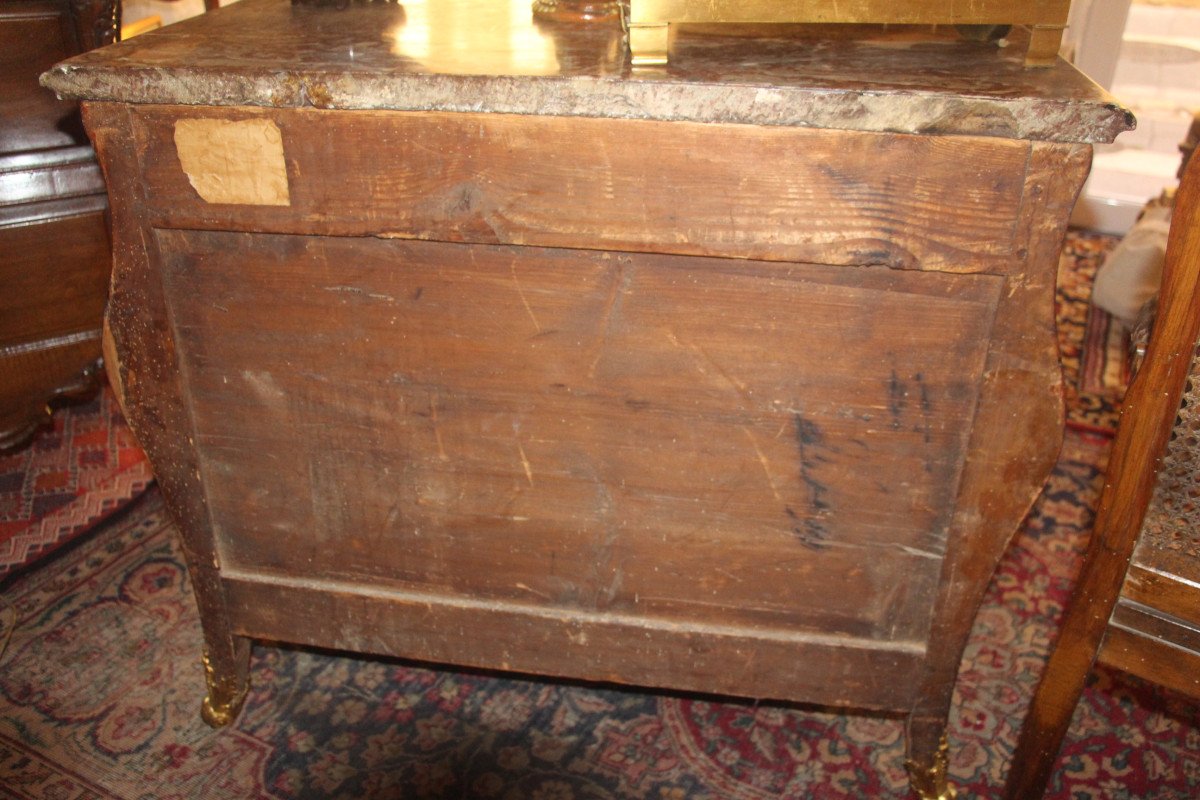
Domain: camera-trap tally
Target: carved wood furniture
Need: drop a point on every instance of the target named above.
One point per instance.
(1142, 617)
(448, 337)
(54, 246)
(650, 20)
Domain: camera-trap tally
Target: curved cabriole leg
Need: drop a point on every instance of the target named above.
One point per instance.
(1027, 353)
(929, 759)
(142, 360)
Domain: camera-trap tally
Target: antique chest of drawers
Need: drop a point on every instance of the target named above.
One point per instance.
(451, 337)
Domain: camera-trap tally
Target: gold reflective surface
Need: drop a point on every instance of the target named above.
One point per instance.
(471, 39)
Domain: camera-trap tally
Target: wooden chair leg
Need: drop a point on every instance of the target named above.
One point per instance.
(1147, 418)
(1058, 692)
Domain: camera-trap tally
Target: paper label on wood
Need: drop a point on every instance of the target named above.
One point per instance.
(237, 162)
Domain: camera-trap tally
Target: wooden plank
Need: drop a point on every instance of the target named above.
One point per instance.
(598, 647)
(582, 429)
(1142, 641)
(1166, 591)
(34, 36)
(53, 292)
(653, 436)
(1017, 434)
(145, 371)
(946, 203)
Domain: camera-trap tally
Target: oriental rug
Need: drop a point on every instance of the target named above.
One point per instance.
(80, 469)
(1106, 365)
(100, 687)
(1092, 344)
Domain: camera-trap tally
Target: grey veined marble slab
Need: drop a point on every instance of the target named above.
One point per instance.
(492, 56)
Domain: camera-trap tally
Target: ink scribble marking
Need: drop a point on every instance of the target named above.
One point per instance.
(810, 441)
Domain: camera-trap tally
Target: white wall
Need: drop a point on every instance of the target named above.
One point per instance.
(1156, 74)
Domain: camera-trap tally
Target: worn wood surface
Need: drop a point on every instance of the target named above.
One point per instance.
(493, 178)
(51, 304)
(146, 377)
(1023, 373)
(664, 436)
(1147, 418)
(597, 398)
(621, 648)
(1168, 589)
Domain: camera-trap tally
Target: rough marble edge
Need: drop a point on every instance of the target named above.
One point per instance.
(1039, 119)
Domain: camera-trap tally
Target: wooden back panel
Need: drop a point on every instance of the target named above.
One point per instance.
(661, 403)
(747, 443)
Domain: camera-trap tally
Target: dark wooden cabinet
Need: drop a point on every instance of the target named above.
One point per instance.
(465, 342)
(55, 254)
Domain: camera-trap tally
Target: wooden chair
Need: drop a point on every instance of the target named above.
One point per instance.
(1144, 618)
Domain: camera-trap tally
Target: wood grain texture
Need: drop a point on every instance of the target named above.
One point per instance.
(33, 37)
(71, 279)
(33, 379)
(1023, 372)
(1147, 417)
(583, 430)
(606, 646)
(946, 203)
(1167, 590)
(517, 380)
(51, 303)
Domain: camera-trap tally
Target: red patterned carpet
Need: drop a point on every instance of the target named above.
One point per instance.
(1091, 344)
(74, 474)
(100, 686)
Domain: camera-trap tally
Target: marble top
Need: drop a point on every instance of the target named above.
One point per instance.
(493, 56)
